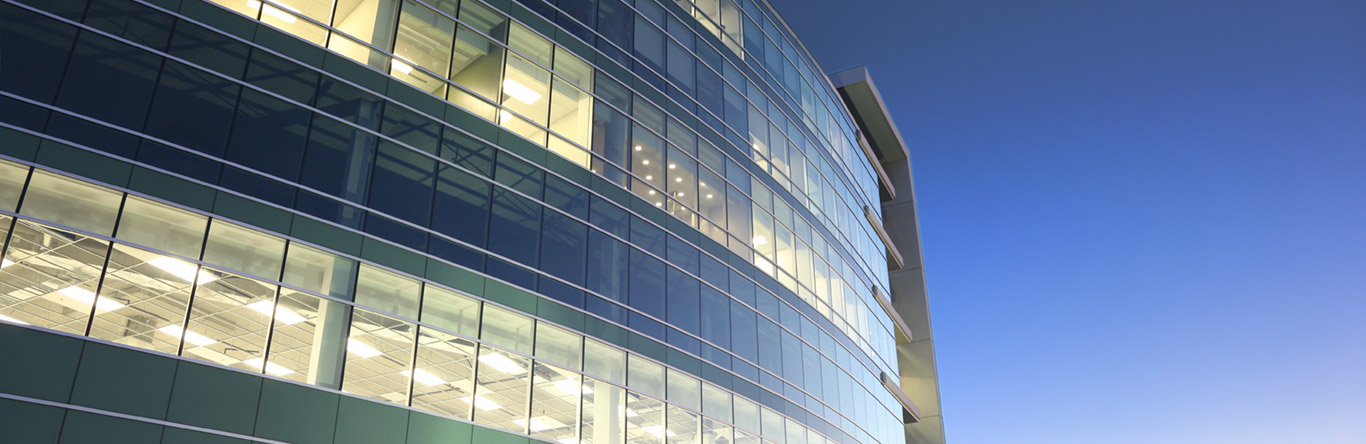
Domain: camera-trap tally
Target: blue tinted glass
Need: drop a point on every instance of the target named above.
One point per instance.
(192, 108)
(410, 128)
(329, 209)
(282, 77)
(257, 186)
(338, 159)
(402, 183)
(460, 209)
(456, 253)
(349, 103)
(581, 10)
(132, 21)
(611, 135)
(467, 152)
(682, 254)
(682, 301)
(519, 175)
(393, 231)
(515, 226)
(715, 316)
(564, 247)
(559, 291)
(647, 326)
(22, 114)
(714, 272)
(512, 273)
(770, 355)
(109, 81)
(607, 266)
(646, 236)
(269, 135)
(792, 357)
(741, 288)
(95, 136)
(615, 21)
(566, 196)
(743, 340)
(647, 284)
(684, 342)
(610, 218)
(36, 49)
(607, 309)
(175, 159)
(209, 49)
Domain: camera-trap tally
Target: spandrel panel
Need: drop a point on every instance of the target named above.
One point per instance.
(162, 227)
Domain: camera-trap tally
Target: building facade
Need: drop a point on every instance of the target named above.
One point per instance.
(482, 221)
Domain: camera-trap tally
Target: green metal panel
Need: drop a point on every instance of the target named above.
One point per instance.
(214, 398)
(125, 381)
(37, 364)
(83, 428)
(22, 422)
(297, 414)
(365, 422)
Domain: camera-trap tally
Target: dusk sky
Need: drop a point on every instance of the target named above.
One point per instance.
(1143, 221)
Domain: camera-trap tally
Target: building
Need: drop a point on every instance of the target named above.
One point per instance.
(474, 221)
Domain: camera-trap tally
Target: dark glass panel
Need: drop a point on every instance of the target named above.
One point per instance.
(109, 81)
(329, 209)
(648, 237)
(338, 159)
(744, 337)
(33, 50)
(269, 135)
(512, 273)
(610, 218)
(192, 108)
(715, 316)
(178, 161)
(467, 152)
(615, 21)
(92, 135)
(647, 284)
(564, 247)
(456, 253)
(386, 228)
(566, 196)
(607, 266)
(257, 186)
(132, 21)
(682, 301)
(461, 206)
(402, 183)
(282, 77)
(559, 291)
(770, 355)
(209, 49)
(514, 227)
(519, 175)
(411, 128)
(349, 103)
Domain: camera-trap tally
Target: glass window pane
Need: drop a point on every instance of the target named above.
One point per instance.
(644, 419)
(500, 397)
(450, 310)
(558, 345)
(525, 88)
(604, 361)
(49, 276)
(371, 21)
(444, 373)
(151, 292)
(12, 178)
(684, 390)
(162, 227)
(571, 112)
(646, 376)
(683, 426)
(604, 413)
(228, 320)
(745, 438)
(555, 403)
(715, 402)
(746, 414)
(249, 251)
(484, 18)
(316, 270)
(647, 162)
(529, 44)
(306, 344)
(715, 432)
(573, 68)
(772, 425)
(476, 64)
(71, 202)
(424, 37)
(388, 292)
(378, 353)
(507, 329)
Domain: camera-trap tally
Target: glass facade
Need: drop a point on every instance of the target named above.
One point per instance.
(587, 221)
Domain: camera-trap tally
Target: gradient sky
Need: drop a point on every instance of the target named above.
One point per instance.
(1144, 221)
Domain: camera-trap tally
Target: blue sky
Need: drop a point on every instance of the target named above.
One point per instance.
(1144, 221)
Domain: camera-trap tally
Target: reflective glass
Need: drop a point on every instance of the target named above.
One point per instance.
(244, 249)
(229, 320)
(558, 345)
(646, 376)
(571, 112)
(450, 310)
(424, 38)
(162, 227)
(49, 277)
(555, 398)
(379, 352)
(388, 292)
(505, 328)
(500, 396)
(604, 361)
(444, 373)
(12, 178)
(316, 270)
(151, 292)
(306, 344)
(644, 419)
(716, 432)
(526, 88)
(684, 390)
(71, 202)
(683, 426)
(604, 413)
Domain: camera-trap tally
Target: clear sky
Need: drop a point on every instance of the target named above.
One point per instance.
(1144, 221)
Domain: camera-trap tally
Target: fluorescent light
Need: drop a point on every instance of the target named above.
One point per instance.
(181, 269)
(8, 319)
(283, 315)
(631, 413)
(540, 423)
(671, 166)
(425, 377)
(501, 363)
(274, 12)
(361, 348)
(759, 240)
(86, 297)
(5, 263)
(658, 431)
(193, 338)
(520, 92)
(482, 403)
(637, 147)
(571, 386)
(271, 367)
(709, 195)
(402, 67)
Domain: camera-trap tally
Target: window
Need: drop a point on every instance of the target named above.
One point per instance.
(604, 413)
(162, 227)
(644, 419)
(71, 202)
(476, 65)
(379, 351)
(500, 397)
(402, 182)
(646, 376)
(515, 228)
(306, 344)
(461, 207)
(388, 292)
(229, 320)
(269, 135)
(564, 245)
(450, 310)
(683, 426)
(49, 277)
(604, 361)
(12, 179)
(684, 390)
(558, 345)
(444, 373)
(149, 294)
(505, 328)
(424, 38)
(244, 250)
(555, 398)
(316, 270)
(370, 21)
